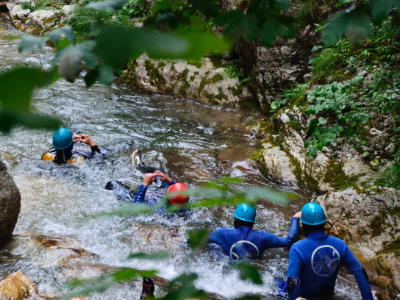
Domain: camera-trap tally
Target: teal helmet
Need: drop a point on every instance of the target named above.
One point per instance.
(312, 214)
(245, 212)
(62, 138)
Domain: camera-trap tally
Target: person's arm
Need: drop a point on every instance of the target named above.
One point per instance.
(164, 177)
(293, 280)
(272, 241)
(359, 273)
(148, 179)
(216, 236)
(85, 138)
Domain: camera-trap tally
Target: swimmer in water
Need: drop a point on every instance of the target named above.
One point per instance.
(156, 175)
(314, 262)
(64, 152)
(244, 243)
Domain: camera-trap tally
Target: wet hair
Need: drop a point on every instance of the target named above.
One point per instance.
(64, 155)
(310, 228)
(238, 223)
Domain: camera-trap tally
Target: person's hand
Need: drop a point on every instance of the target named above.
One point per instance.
(87, 140)
(148, 179)
(163, 177)
(76, 138)
(297, 215)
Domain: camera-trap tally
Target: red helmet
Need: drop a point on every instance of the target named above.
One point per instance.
(76, 298)
(177, 198)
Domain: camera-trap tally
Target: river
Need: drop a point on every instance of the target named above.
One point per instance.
(192, 142)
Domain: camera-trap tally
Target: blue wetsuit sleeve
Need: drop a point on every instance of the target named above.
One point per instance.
(272, 241)
(216, 236)
(139, 198)
(172, 182)
(294, 272)
(356, 268)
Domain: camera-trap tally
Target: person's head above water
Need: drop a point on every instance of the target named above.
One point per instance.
(62, 138)
(245, 215)
(313, 217)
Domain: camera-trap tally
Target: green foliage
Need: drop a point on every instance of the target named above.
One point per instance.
(295, 95)
(15, 99)
(234, 70)
(249, 272)
(355, 22)
(391, 176)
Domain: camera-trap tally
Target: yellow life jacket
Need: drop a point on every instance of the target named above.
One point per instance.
(50, 157)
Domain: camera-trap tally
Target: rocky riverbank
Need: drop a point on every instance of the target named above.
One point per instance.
(341, 178)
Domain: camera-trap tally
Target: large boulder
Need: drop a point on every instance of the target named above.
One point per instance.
(10, 203)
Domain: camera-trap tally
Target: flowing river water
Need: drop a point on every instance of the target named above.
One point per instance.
(193, 143)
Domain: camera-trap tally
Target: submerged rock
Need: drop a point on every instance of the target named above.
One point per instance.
(10, 203)
(18, 287)
(53, 251)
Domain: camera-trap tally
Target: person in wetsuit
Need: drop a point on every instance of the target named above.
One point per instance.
(242, 242)
(64, 152)
(314, 262)
(156, 175)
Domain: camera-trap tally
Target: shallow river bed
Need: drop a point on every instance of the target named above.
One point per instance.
(193, 143)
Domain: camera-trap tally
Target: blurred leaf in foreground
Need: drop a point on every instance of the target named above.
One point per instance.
(153, 256)
(183, 287)
(197, 238)
(248, 272)
(17, 87)
(117, 46)
(355, 22)
(107, 5)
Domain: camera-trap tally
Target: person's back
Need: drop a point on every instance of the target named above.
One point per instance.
(242, 242)
(314, 262)
(323, 254)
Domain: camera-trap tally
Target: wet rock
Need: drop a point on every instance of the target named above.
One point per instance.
(18, 287)
(10, 203)
(82, 272)
(18, 12)
(53, 251)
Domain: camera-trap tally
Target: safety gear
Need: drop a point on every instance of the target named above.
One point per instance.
(312, 214)
(245, 212)
(148, 288)
(175, 195)
(62, 138)
(76, 298)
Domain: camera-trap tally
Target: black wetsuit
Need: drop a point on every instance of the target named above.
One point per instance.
(69, 155)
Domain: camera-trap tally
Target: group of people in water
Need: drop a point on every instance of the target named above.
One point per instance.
(313, 262)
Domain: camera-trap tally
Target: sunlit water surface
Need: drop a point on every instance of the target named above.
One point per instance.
(193, 143)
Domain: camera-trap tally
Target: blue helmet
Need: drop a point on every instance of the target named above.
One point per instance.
(62, 138)
(312, 214)
(245, 212)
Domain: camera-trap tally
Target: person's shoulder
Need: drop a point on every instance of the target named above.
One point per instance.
(299, 244)
(337, 241)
